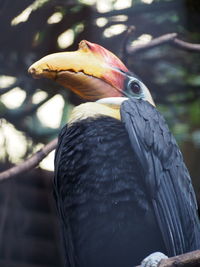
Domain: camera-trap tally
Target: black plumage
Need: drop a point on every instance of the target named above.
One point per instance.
(122, 190)
(166, 176)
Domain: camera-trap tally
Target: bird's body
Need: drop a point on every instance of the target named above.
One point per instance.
(107, 191)
(105, 207)
(121, 186)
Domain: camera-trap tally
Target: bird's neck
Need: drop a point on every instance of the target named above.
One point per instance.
(94, 109)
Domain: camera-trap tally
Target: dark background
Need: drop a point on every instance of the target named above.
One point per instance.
(28, 222)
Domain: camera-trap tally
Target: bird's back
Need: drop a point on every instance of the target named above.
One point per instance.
(107, 219)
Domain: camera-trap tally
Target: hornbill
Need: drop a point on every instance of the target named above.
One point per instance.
(121, 186)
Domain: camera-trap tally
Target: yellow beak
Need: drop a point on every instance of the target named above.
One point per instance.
(92, 72)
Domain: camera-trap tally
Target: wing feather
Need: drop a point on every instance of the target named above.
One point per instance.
(166, 177)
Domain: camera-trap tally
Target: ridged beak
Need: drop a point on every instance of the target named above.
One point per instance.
(92, 71)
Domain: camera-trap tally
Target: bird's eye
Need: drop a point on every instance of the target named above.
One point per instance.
(134, 87)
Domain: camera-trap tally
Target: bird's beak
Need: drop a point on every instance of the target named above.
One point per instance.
(92, 71)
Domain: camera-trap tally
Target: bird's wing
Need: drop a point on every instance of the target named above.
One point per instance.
(66, 231)
(166, 177)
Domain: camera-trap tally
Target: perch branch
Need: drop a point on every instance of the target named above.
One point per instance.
(191, 259)
(31, 162)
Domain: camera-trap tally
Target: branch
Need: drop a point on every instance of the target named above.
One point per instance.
(28, 109)
(166, 38)
(169, 38)
(32, 126)
(31, 162)
(186, 46)
(190, 259)
(5, 90)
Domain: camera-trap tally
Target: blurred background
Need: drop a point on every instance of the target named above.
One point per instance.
(33, 111)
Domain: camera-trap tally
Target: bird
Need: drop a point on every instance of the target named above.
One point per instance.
(121, 186)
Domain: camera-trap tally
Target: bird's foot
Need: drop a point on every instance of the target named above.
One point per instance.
(153, 259)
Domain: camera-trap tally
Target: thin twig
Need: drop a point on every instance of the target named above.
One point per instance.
(166, 38)
(191, 259)
(31, 162)
(30, 109)
(5, 90)
(170, 38)
(186, 46)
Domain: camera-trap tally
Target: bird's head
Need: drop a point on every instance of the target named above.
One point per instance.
(92, 72)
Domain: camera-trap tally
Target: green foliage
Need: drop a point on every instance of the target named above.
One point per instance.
(194, 113)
